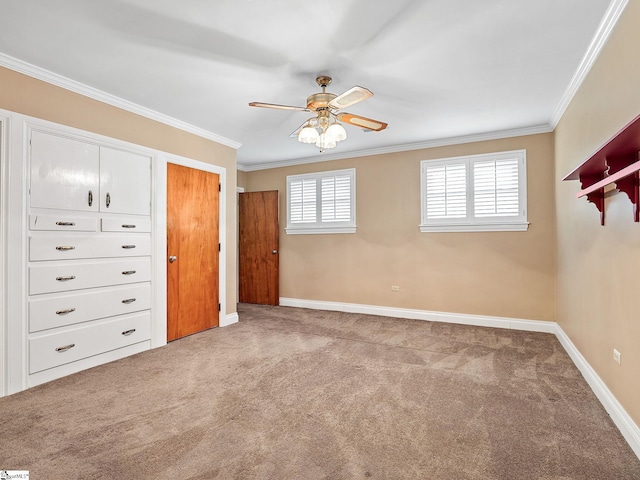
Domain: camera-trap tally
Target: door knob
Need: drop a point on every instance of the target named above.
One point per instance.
(172, 258)
(274, 251)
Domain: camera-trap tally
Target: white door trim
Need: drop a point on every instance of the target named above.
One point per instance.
(4, 215)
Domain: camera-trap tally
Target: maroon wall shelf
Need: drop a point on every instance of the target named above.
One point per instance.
(617, 161)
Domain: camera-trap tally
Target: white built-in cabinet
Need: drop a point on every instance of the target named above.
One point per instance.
(71, 174)
(89, 258)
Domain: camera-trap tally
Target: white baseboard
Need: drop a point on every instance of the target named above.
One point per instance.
(620, 417)
(229, 319)
(445, 317)
(618, 414)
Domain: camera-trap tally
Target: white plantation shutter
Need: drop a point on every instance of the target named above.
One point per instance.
(476, 193)
(495, 187)
(336, 198)
(321, 202)
(302, 201)
(446, 191)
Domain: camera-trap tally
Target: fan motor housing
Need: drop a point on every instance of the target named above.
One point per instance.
(319, 100)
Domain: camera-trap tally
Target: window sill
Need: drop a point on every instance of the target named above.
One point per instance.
(484, 227)
(313, 231)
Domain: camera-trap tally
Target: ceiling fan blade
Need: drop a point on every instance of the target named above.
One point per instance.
(279, 107)
(350, 97)
(362, 122)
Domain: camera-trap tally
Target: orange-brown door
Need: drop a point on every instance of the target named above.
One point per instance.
(259, 256)
(192, 250)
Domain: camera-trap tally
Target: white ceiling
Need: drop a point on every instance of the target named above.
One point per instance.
(438, 68)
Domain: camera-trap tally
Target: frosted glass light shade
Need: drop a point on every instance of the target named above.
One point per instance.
(308, 135)
(336, 132)
(325, 142)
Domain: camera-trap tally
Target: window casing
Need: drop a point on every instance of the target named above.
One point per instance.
(475, 193)
(323, 202)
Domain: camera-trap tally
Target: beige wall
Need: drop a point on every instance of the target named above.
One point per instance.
(26, 95)
(242, 179)
(598, 267)
(506, 274)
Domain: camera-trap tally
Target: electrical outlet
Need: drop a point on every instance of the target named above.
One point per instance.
(395, 288)
(616, 356)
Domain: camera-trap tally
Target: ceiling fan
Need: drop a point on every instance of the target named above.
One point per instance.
(324, 129)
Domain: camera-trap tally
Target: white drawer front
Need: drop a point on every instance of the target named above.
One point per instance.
(71, 308)
(126, 224)
(67, 247)
(63, 223)
(63, 276)
(50, 351)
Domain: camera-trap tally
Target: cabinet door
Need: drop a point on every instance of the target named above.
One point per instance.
(125, 182)
(64, 173)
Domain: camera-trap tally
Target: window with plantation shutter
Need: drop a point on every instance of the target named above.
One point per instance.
(476, 193)
(322, 202)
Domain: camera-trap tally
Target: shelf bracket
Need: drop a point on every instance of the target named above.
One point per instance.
(628, 185)
(596, 196)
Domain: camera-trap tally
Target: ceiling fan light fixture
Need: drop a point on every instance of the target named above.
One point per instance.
(336, 132)
(308, 135)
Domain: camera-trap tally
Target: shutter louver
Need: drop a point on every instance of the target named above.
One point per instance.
(496, 191)
(446, 191)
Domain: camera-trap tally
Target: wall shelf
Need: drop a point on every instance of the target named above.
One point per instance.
(617, 161)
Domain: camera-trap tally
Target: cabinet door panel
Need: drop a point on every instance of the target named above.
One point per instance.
(64, 173)
(125, 182)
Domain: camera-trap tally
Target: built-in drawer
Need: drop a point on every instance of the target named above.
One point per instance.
(126, 224)
(49, 277)
(63, 223)
(67, 247)
(52, 350)
(58, 310)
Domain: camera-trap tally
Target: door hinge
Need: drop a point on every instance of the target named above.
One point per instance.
(219, 187)
(219, 307)
(219, 247)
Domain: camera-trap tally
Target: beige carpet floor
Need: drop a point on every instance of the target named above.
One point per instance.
(291, 393)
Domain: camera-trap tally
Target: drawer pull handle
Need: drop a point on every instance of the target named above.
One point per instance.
(128, 246)
(128, 272)
(66, 311)
(65, 348)
(66, 224)
(65, 279)
(129, 300)
(108, 199)
(128, 226)
(128, 332)
(64, 248)
(90, 198)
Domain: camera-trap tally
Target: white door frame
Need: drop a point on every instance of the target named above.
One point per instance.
(4, 215)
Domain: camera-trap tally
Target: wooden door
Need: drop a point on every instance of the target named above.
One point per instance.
(192, 250)
(258, 251)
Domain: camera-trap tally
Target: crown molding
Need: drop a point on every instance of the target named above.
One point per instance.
(87, 91)
(479, 137)
(609, 21)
